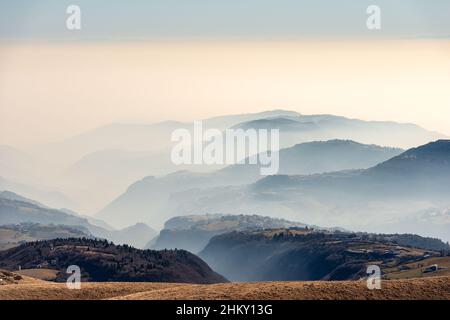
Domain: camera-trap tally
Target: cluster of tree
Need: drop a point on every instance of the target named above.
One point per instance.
(101, 260)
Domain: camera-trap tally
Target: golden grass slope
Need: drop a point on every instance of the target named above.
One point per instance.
(34, 289)
(417, 269)
(431, 288)
(41, 273)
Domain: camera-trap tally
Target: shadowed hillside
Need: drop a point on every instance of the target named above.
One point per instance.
(302, 254)
(150, 199)
(103, 261)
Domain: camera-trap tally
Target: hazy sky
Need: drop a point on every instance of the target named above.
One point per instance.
(214, 19)
(190, 59)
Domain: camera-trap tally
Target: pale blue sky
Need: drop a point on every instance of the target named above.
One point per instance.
(221, 19)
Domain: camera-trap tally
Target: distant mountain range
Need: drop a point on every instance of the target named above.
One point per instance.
(150, 199)
(318, 157)
(387, 182)
(124, 173)
(110, 158)
(15, 209)
(304, 128)
(155, 137)
(14, 235)
(393, 195)
(102, 261)
(118, 155)
(16, 164)
(43, 194)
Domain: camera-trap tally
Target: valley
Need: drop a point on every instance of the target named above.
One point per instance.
(336, 207)
(305, 254)
(224, 150)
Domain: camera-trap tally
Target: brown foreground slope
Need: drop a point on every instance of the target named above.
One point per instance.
(431, 288)
(426, 288)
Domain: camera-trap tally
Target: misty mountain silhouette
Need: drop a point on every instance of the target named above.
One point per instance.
(393, 194)
(107, 159)
(304, 128)
(15, 209)
(149, 199)
(432, 158)
(428, 166)
(110, 158)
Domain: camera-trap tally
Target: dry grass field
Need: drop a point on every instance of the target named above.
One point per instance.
(416, 269)
(42, 274)
(425, 288)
